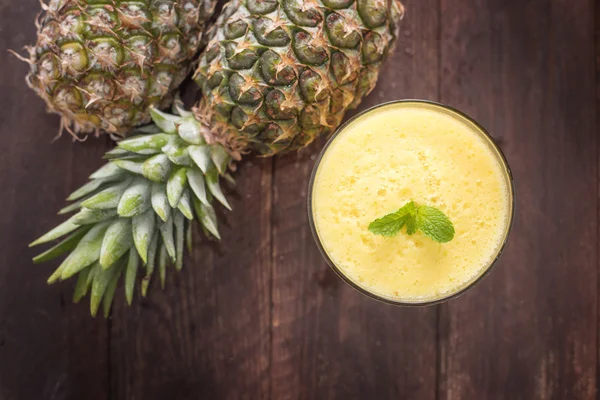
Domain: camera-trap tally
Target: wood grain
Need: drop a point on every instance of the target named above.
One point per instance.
(528, 330)
(329, 341)
(595, 129)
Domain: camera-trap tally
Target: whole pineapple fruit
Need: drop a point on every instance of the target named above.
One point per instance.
(101, 63)
(274, 75)
(277, 74)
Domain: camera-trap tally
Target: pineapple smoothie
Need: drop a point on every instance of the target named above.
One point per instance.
(404, 152)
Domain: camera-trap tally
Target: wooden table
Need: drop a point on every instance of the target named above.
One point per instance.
(261, 316)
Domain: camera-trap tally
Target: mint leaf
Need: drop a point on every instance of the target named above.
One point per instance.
(429, 220)
(388, 225)
(411, 225)
(391, 224)
(409, 208)
(435, 224)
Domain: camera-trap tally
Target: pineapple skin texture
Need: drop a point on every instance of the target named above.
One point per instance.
(101, 63)
(278, 73)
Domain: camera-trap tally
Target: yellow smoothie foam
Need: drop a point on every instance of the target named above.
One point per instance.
(390, 156)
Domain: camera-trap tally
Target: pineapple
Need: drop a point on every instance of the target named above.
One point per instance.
(277, 74)
(274, 75)
(101, 63)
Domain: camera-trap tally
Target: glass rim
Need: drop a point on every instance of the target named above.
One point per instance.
(487, 269)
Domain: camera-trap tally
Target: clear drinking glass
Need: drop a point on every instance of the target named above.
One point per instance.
(501, 159)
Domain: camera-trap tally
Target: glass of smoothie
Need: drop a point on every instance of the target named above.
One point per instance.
(402, 163)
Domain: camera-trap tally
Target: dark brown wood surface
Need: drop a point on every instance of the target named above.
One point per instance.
(261, 316)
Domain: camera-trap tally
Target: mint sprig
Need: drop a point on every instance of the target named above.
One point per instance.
(431, 221)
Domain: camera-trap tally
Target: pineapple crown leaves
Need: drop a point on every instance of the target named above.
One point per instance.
(136, 212)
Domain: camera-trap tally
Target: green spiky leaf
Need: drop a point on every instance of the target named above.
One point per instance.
(117, 240)
(136, 199)
(116, 153)
(176, 185)
(196, 181)
(179, 223)
(146, 144)
(201, 157)
(107, 198)
(220, 158)
(189, 237)
(208, 218)
(73, 206)
(61, 230)
(185, 205)
(166, 122)
(108, 170)
(143, 228)
(160, 203)
(177, 151)
(146, 130)
(100, 284)
(162, 265)
(212, 181)
(130, 275)
(166, 232)
(157, 168)
(86, 252)
(129, 165)
(150, 264)
(87, 216)
(116, 226)
(82, 286)
(190, 131)
(111, 288)
(64, 246)
(88, 188)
